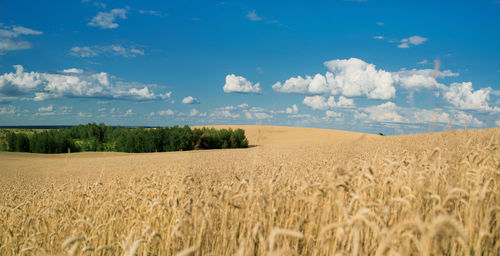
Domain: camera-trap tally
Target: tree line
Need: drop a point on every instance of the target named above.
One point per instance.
(93, 137)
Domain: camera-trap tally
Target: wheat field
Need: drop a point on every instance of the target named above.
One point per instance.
(296, 191)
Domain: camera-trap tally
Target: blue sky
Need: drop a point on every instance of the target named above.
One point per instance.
(396, 67)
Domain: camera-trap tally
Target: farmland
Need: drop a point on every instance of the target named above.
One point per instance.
(293, 191)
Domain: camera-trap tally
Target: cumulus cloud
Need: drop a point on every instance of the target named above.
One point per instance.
(430, 116)
(106, 20)
(74, 85)
(316, 102)
(412, 41)
(386, 112)
(350, 77)
(466, 119)
(10, 38)
(190, 100)
(462, 95)
(110, 50)
(354, 77)
(240, 84)
(330, 113)
(167, 112)
(416, 79)
(293, 110)
(321, 103)
(390, 113)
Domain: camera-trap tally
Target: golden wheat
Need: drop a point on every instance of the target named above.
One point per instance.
(297, 192)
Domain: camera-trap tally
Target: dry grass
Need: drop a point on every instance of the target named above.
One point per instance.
(300, 191)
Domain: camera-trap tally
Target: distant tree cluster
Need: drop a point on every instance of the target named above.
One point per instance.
(93, 137)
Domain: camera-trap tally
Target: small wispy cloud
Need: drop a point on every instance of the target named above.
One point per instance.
(378, 37)
(151, 12)
(412, 41)
(9, 38)
(97, 50)
(423, 62)
(252, 15)
(106, 20)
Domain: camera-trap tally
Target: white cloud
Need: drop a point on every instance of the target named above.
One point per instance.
(244, 105)
(190, 100)
(423, 62)
(378, 37)
(84, 115)
(221, 113)
(257, 109)
(129, 112)
(343, 102)
(70, 85)
(386, 112)
(257, 115)
(293, 110)
(84, 52)
(193, 112)
(412, 40)
(316, 102)
(167, 112)
(330, 113)
(151, 12)
(16, 31)
(354, 77)
(97, 50)
(72, 70)
(49, 108)
(262, 115)
(321, 103)
(416, 79)
(248, 115)
(293, 85)
(462, 95)
(252, 15)
(7, 44)
(430, 116)
(10, 110)
(105, 20)
(350, 77)
(9, 38)
(466, 119)
(65, 109)
(240, 84)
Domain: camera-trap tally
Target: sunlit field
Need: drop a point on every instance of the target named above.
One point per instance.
(294, 191)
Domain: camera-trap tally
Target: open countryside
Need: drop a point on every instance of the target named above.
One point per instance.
(293, 191)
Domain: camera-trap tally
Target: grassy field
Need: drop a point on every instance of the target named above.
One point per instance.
(294, 191)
